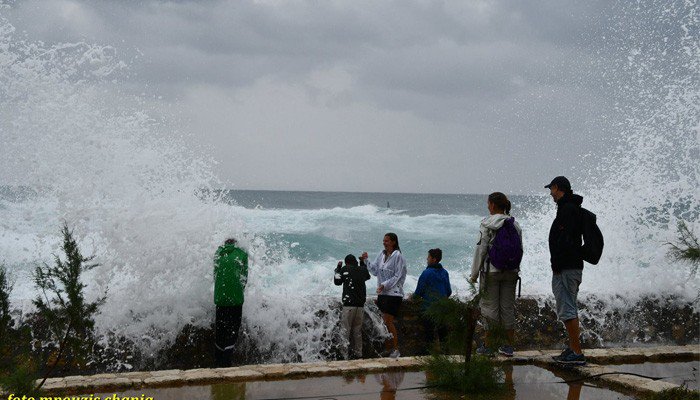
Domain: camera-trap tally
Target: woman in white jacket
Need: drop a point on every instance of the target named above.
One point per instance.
(498, 285)
(390, 269)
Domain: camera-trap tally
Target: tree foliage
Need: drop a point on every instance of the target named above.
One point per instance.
(687, 246)
(62, 305)
(475, 375)
(479, 376)
(18, 372)
(5, 318)
(460, 317)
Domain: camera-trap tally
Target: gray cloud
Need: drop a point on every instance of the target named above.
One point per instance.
(442, 88)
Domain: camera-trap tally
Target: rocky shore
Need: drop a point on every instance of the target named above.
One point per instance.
(650, 321)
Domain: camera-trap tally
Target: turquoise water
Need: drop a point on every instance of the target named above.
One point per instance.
(321, 227)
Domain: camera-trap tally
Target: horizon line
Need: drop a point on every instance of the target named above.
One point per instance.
(364, 192)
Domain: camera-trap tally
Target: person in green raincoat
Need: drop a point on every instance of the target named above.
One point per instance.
(230, 276)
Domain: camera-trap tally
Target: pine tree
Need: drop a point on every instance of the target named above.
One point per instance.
(476, 374)
(62, 305)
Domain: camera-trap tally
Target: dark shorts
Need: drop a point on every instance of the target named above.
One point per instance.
(389, 304)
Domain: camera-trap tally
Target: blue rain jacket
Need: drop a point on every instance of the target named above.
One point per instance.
(434, 283)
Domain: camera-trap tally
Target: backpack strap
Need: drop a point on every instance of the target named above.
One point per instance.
(487, 261)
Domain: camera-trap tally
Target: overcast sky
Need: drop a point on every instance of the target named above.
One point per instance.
(400, 96)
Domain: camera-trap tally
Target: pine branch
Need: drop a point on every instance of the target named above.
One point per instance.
(687, 247)
(61, 349)
(69, 316)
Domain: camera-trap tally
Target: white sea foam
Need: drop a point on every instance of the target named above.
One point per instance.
(97, 160)
(651, 179)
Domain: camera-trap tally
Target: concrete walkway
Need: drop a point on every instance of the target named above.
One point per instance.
(135, 380)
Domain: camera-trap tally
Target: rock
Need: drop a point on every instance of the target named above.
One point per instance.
(200, 375)
(240, 374)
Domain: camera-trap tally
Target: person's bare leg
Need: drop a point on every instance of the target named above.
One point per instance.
(572, 328)
(389, 322)
(574, 391)
(510, 333)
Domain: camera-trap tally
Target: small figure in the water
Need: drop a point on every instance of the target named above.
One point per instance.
(230, 276)
(352, 277)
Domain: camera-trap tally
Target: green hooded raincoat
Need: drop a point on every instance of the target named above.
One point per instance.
(230, 275)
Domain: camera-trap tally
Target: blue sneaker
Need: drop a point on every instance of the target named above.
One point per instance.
(563, 354)
(572, 358)
(484, 351)
(506, 350)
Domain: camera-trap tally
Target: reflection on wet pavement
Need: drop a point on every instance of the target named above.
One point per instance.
(521, 381)
(680, 373)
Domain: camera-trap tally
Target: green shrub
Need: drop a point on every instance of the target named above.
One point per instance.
(478, 376)
(460, 317)
(63, 308)
(5, 318)
(18, 373)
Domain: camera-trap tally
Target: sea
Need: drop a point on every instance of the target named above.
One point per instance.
(78, 148)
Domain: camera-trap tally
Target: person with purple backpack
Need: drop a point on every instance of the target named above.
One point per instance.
(496, 266)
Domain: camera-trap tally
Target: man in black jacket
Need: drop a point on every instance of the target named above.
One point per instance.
(353, 277)
(565, 241)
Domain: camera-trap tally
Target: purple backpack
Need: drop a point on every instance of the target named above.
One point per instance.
(506, 250)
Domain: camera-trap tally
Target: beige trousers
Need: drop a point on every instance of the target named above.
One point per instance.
(498, 300)
(351, 321)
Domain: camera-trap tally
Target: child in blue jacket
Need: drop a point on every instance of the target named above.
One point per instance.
(433, 284)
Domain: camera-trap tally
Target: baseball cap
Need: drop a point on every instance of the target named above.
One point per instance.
(561, 182)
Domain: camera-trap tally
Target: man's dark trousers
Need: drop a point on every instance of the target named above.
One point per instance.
(430, 328)
(228, 321)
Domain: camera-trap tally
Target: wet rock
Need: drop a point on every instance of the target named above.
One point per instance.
(653, 320)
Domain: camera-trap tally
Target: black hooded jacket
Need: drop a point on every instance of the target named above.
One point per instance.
(353, 278)
(565, 238)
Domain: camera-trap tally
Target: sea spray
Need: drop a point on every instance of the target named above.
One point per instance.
(97, 160)
(78, 148)
(652, 177)
(649, 175)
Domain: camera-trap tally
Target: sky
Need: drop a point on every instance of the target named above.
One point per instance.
(376, 96)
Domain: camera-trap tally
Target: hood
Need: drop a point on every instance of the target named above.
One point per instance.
(494, 221)
(226, 249)
(571, 198)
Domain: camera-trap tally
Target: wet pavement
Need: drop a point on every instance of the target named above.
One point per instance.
(680, 373)
(521, 381)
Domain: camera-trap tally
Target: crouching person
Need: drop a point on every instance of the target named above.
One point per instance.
(352, 276)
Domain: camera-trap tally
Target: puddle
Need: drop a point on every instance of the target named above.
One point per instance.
(522, 382)
(675, 372)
